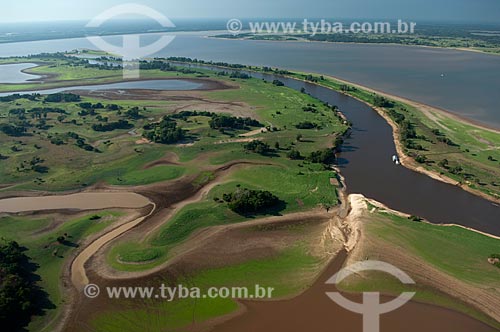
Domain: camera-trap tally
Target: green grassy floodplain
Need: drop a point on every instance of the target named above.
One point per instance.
(39, 236)
(289, 273)
(463, 255)
(312, 189)
(268, 100)
(303, 185)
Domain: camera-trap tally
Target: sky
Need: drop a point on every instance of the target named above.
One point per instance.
(485, 11)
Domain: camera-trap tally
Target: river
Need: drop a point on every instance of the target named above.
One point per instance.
(368, 169)
(14, 73)
(171, 84)
(461, 82)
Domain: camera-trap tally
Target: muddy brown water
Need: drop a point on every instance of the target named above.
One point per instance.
(80, 201)
(314, 311)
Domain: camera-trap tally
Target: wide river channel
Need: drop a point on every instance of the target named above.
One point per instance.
(366, 164)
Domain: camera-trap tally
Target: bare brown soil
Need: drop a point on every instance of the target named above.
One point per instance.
(312, 310)
(218, 247)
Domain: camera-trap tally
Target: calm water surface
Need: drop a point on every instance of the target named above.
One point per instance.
(177, 85)
(469, 86)
(12, 73)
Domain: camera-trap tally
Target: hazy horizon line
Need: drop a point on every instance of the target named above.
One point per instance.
(223, 19)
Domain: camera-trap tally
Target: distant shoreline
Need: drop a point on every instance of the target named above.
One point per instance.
(184, 31)
(463, 49)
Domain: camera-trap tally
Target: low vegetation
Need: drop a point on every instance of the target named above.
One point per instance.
(462, 256)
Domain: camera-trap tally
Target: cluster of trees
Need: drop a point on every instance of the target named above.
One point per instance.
(313, 79)
(380, 101)
(62, 97)
(165, 132)
(442, 137)
(446, 140)
(110, 126)
(35, 165)
(311, 108)
(241, 75)
(257, 147)
(168, 132)
(133, 113)
(184, 115)
(16, 96)
(294, 155)
(421, 159)
(13, 130)
(324, 157)
(18, 289)
(162, 65)
(245, 201)
(410, 144)
(211, 63)
(306, 125)
(219, 121)
(278, 83)
(347, 88)
(453, 170)
(88, 106)
(19, 125)
(82, 144)
(60, 139)
(275, 71)
(406, 128)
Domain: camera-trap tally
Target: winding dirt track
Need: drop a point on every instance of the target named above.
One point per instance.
(78, 275)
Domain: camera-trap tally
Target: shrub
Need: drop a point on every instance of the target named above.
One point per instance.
(245, 201)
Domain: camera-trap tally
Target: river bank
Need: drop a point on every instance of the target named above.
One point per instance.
(406, 160)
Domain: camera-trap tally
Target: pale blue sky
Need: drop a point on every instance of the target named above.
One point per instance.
(446, 10)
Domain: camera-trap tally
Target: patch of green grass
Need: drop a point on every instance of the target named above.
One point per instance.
(300, 193)
(456, 251)
(462, 253)
(140, 255)
(41, 240)
(290, 272)
(151, 175)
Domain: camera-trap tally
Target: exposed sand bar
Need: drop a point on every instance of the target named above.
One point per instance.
(79, 201)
